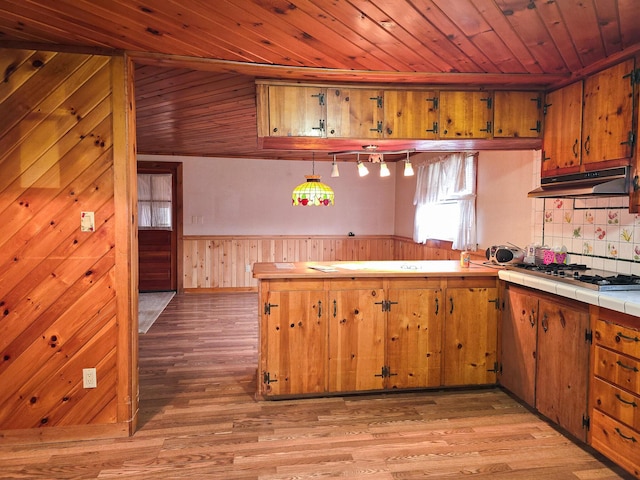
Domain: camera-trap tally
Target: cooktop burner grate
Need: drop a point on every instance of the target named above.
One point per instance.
(580, 275)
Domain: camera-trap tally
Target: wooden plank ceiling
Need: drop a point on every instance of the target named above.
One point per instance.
(197, 61)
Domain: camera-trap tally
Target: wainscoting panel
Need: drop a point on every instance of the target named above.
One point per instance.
(225, 262)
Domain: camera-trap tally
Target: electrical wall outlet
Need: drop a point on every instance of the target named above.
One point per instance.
(247, 268)
(89, 379)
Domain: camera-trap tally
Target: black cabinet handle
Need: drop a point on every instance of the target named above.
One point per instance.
(631, 438)
(625, 337)
(626, 402)
(626, 367)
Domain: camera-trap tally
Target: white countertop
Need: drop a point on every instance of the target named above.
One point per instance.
(620, 301)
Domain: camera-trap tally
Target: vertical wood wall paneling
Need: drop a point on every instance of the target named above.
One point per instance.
(213, 263)
(58, 285)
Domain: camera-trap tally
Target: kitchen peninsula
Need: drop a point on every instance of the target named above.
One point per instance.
(343, 327)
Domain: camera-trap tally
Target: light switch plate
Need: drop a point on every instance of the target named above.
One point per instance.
(87, 222)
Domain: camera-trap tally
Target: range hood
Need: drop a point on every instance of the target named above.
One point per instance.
(612, 182)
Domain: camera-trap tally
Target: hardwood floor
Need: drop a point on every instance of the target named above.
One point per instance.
(199, 419)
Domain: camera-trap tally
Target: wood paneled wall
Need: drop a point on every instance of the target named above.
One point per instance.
(212, 262)
(62, 310)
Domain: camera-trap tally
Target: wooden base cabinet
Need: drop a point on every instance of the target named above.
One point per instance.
(615, 389)
(369, 334)
(563, 364)
(294, 338)
(470, 337)
(545, 355)
(414, 334)
(356, 335)
(519, 342)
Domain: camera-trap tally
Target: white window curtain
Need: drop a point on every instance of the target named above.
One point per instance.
(445, 200)
(154, 201)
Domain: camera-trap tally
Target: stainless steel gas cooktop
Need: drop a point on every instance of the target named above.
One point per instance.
(580, 276)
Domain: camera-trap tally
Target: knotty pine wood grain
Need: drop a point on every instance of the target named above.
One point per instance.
(199, 419)
(215, 262)
(66, 141)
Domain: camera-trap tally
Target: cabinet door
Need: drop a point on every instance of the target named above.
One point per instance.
(563, 360)
(297, 111)
(470, 338)
(411, 114)
(517, 114)
(354, 113)
(465, 114)
(562, 129)
(356, 340)
(296, 345)
(608, 109)
(518, 344)
(414, 337)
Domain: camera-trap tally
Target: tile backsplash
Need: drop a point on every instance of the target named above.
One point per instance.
(599, 232)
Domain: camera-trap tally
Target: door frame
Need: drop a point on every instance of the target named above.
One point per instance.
(175, 169)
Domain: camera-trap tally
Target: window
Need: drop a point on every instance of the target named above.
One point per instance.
(155, 209)
(445, 200)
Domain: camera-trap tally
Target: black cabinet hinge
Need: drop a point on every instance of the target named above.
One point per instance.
(386, 305)
(538, 127)
(378, 101)
(545, 107)
(538, 101)
(586, 422)
(588, 336)
(634, 76)
(631, 138)
(320, 97)
(434, 100)
(267, 308)
(385, 372)
(495, 368)
(495, 301)
(266, 378)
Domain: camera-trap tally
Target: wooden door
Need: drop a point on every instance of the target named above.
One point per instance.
(517, 114)
(414, 337)
(563, 365)
(465, 114)
(562, 129)
(158, 244)
(297, 111)
(356, 339)
(471, 336)
(518, 344)
(354, 113)
(411, 114)
(296, 345)
(608, 115)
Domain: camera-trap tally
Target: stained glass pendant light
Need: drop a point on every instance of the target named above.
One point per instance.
(312, 192)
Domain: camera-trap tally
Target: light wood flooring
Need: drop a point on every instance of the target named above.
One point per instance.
(199, 419)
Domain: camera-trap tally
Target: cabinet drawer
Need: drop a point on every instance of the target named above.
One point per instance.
(618, 369)
(617, 403)
(617, 441)
(622, 339)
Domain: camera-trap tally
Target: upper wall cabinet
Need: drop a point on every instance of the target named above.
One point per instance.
(411, 114)
(297, 111)
(466, 115)
(562, 129)
(608, 114)
(589, 124)
(354, 113)
(517, 114)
